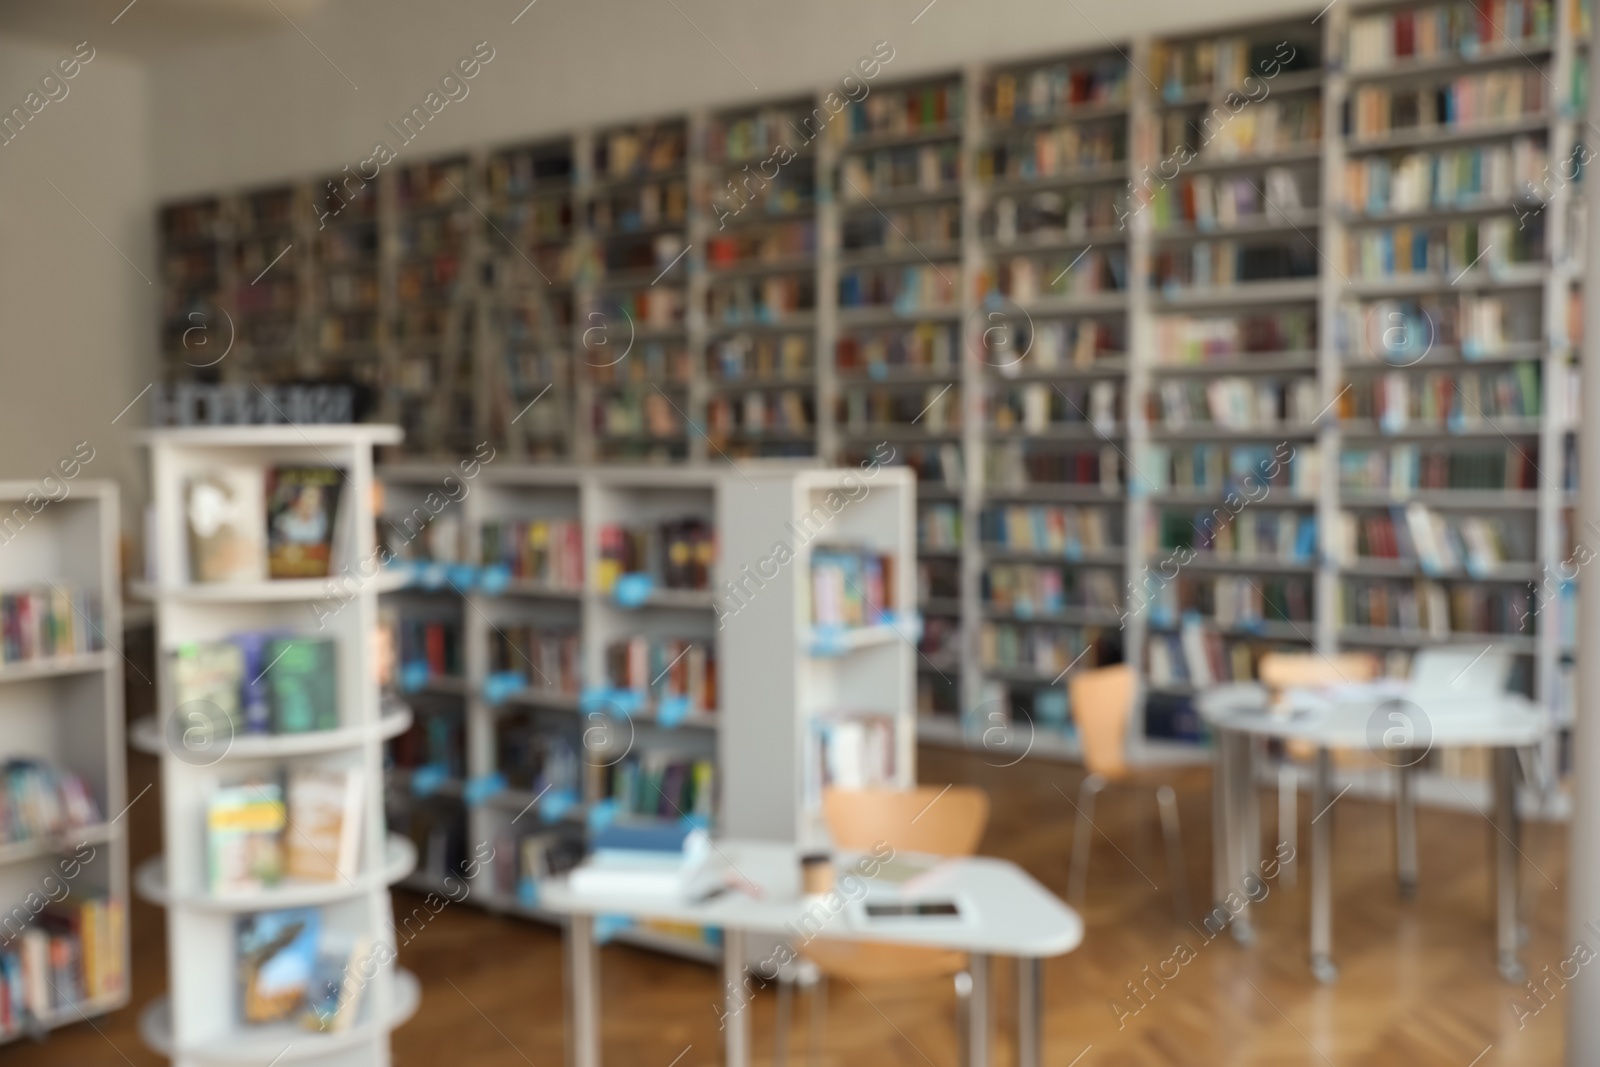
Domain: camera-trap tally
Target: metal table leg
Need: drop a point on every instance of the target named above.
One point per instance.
(1221, 820)
(1246, 832)
(1505, 897)
(1322, 870)
(980, 1022)
(736, 1009)
(1030, 988)
(1405, 832)
(583, 982)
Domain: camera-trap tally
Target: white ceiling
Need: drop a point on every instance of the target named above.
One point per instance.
(148, 27)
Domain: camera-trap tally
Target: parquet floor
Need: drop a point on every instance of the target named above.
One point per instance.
(1418, 985)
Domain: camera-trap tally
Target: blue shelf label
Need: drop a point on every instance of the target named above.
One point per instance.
(502, 685)
(607, 927)
(478, 790)
(428, 779)
(602, 815)
(527, 892)
(827, 639)
(414, 676)
(672, 711)
(697, 822)
(433, 575)
(494, 579)
(556, 803)
(633, 590)
(462, 576)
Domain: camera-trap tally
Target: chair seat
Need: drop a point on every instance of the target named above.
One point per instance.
(869, 962)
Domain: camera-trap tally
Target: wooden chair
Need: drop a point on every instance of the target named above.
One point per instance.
(1102, 707)
(908, 820)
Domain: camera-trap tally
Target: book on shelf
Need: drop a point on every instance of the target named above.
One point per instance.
(1444, 178)
(1209, 202)
(1229, 469)
(666, 669)
(536, 757)
(902, 111)
(934, 228)
(1445, 250)
(1404, 331)
(1236, 402)
(662, 785)
(1253, 535)
(1037, 407)
(1440, 30)
(1058, 529)
(1056, 89)
(1039, 155)
(322, 840)
(1437, 609)
(933, 408)
(431, 647)
(1445, 399)
(1188, 340)
(926, 346)
(548, 658)
(302, 505)
(549, 551)
(40, 801)
(303, 684)
(1221, 64)
(1199, 655)
(1029, 278)
(657, 861)
(1220, 264)
(1272, 127)
(1464, 102)
(1045, 651)
(850, 750)
(1028, 589)
(436, 741)
(676, 553)
(905, 290)
(1013, 465)
(70, 956)
(244, 837)
(276, 954)
(1435, 541)
(49, 622)
(764, 355)
(338, 986)
(209, 675)
(939, 527)
(1232, 601)
(1403, 468)
(851, 586)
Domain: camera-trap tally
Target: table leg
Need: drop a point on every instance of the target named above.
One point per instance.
(1030, 989)
(979, 1023)
(1247, 832)
(1322, 870)
(735, 1005)
(583, 981)
(1221, 821)
(1505, 898)
(1405, 832)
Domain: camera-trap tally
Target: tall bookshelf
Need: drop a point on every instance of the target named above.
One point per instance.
(1225, 297)
(198, 1020)
(62, 709)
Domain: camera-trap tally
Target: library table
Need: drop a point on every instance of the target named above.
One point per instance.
(1005, 913)
(1402, 726)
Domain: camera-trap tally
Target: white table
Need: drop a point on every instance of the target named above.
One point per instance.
(1010, 914)
(1238, 716)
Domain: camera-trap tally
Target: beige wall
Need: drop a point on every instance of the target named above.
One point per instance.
(275, 108)
(77, 320)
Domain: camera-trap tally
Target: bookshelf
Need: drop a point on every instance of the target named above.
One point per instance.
(1231, 298)
(200, 1019)
(62, 709)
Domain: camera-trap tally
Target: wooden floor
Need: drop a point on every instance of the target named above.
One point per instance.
(1418, 985)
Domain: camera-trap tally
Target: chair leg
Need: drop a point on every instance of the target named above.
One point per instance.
(819, 1017)
(1288, 820)
(1167, 801)
(964, 1018)
(1077, 880)
(785, 1017)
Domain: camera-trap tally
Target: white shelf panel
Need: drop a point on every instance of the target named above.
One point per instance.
(145, 736)
(56, 666)
(284, 589)
(399, 860)
(55, 845)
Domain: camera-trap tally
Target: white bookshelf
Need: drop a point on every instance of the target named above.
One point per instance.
(67, 712)
(198, 1020)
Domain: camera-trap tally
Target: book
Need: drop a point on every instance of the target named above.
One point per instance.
(277, 954)
(334, 996)
(303, 684)
(244, 835)
(206, 683)
(301, 505)
(224, 514)
(323, 841)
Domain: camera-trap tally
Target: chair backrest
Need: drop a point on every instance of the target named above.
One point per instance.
(1463, 670)
(1102, 706)
(1279, 671)
(910, 820)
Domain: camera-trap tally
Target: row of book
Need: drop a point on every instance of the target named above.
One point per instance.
(1015, 466)
(763, 355)
(1221, 469)
(1025, 279)
(937, 580)
(1445, 177)
(547, 551)
(248, 523)
(303, 828)
(656, 362)
(665, 669)
(1404, 331)
(1437, 542)
(1188, 340)
(1210, 202)
(1254, 534)
(770, 299)
(772, 243)
(677, 553)
(753, 135)
(1030, 590)
(1217, 264)
(901, 230)
(927, 168)
(1270, 128)
(927, 346)
(849, 750)
(1054, 215)
(790, 192)
(39, 801)
(533, 757)
(658, 308)
(1428, 607)
(785, 412)
(1199, 655)
(1465, 102)
(637, 412)
(1050, 528)
(1234, 601)
(1053, 344)
(642, 150)
(1060, 152)
(663, 784)
(1043, 650)
(550, 659)
(1055, 90)
(1443, 250)
(294, 965)
(433, 644)
(851, 586)
(1444, 399)
(907, 289)
(256, 682)
(72, 955)
(1036, 407)
(518, 172)
(1236, 402)
(892, 112)
(49, 622)
(938, 527)
(1219, 64)
(1402, 468)
(1471, 30)
(436, 738)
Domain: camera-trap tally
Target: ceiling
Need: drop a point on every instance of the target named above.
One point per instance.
(147, 27)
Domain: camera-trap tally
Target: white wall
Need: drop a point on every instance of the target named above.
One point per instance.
(274, 108)
(77, 320)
